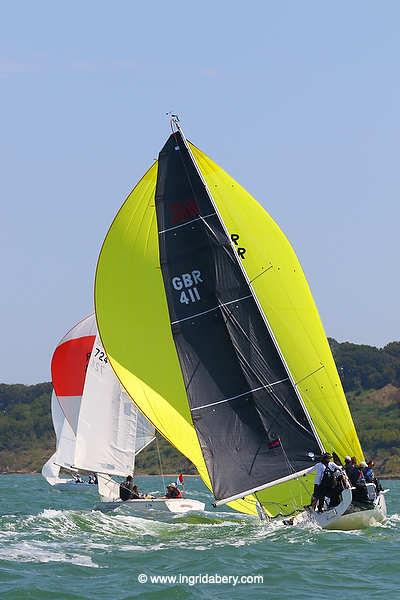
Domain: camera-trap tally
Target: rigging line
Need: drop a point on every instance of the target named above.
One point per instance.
(238, 396)
(297, 422)
(164, 435)
(262, 273)
(309, 375)
(237, 323)
(270, 502)
(159, 460)
(261, 512)
(210, 309)
(173, 121)
(200, 218)
(271, 391)
(299, 480)
(275, 397)
(279, 504)
(291, 468)
(254, 458)
(192, 375)
(195, 196)
(214, 235)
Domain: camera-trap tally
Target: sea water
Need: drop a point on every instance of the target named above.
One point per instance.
(53, 545)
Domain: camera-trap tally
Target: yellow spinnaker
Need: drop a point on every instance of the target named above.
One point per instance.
(133, 320)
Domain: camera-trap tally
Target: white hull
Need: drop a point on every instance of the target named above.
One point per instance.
(71, 486)
(144, 506)
(362, 518)
(336, 518)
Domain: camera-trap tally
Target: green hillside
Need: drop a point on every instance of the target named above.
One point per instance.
(364, 367)
(371, 379)
(370, 376)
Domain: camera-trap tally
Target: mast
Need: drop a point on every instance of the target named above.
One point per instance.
(175, 123)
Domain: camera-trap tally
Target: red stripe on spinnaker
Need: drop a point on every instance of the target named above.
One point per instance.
(69, 365)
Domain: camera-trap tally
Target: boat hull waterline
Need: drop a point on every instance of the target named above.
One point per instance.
(337, 519)
(362, 518)
(144, 505)
(70, 485)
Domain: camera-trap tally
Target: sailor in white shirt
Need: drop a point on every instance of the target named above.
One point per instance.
(320, 468)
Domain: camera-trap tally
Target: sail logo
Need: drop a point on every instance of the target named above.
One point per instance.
(186, 284)
(240, 250)
(183, 211)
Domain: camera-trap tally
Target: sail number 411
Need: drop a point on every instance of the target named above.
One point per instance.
(186, 284)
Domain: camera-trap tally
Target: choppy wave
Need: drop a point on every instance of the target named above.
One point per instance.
(35, 551)
(52, 531)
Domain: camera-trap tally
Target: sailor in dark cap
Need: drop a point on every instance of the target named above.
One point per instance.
(348, 466)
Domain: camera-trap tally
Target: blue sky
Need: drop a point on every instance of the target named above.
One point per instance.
(299, 101)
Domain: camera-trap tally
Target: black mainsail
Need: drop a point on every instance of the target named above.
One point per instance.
(250, 422)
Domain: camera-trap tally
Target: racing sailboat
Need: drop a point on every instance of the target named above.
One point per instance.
(68, 371)
(105, 431)
(208, 321)
(111, 432)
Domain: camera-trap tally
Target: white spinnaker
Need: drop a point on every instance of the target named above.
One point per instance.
(51, 471)
(57, 416)
(65, 444)
(66, 447)
(107, 424)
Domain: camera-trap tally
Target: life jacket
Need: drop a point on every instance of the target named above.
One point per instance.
(329, 479)
(174, 493)
(358, 477)
(368, 474)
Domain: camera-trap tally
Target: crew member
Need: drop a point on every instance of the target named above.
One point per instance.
(323, 484)
(173, 491)
(348, 466)
(368, 472)
(127, 489)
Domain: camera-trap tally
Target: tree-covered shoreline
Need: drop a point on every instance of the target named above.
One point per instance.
(370, 377)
